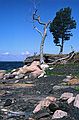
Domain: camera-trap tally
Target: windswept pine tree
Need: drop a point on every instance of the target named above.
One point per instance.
(61, 27)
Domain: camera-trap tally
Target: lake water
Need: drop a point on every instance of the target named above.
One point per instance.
(10, 65)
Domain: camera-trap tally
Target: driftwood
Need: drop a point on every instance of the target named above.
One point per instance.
(64, 60)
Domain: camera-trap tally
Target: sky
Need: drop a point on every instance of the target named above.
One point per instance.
(18, 39)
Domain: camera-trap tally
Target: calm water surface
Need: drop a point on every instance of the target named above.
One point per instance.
(10, 65)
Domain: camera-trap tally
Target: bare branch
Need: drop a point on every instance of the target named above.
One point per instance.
(58, 45)
(37, 18)
(38, 31)
(48, 23)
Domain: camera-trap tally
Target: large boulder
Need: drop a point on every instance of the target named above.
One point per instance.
(34, 70)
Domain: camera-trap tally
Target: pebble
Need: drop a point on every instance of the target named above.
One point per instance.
(16, 81)
(19, 76)
(25, 77)
(51, 68)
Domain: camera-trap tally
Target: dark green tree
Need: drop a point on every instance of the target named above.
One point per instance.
(61, 27)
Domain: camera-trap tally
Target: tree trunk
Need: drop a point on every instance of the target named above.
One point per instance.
(61, 47)
(41, 48)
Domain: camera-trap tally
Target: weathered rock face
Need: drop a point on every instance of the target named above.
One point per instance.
(33, 70)
(33, 67)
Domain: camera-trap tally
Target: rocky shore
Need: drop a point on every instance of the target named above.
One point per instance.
(48, 97)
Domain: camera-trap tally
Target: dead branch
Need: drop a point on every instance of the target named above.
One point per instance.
(38, 31)
(37, 18)
(66, 59)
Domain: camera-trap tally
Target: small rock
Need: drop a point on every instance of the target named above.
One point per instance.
(66, 80)
(38, 92)
(2, 92)
(16, 81)
(4, 110)
(37, 108)
(14, 70)
(71, 99)
(66, 96)
(8, 102)
(51, 68)
(25, 77)
(59, 114)
(14, 73)
(19, 76)
(51, 98)
(44, 66)
(31, 118)
(45, 76)
(69, 77)
(8, 76)
(76, 102)
(58, 87)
